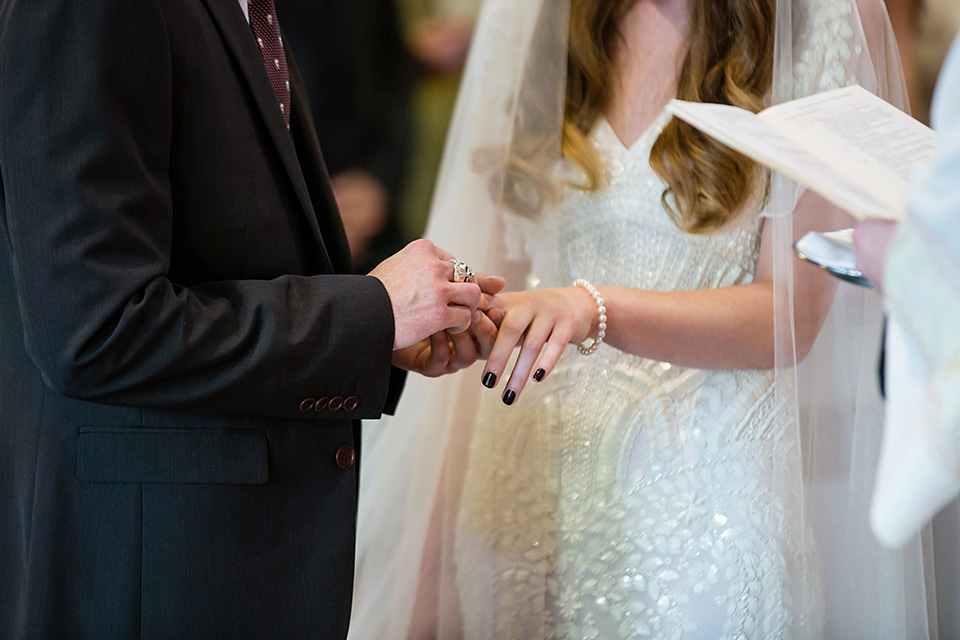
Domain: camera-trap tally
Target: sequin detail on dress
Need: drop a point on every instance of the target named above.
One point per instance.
(628, 498)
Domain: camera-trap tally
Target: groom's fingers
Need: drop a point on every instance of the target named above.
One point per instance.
(439, 354)
(490, 285)
(419, 282)
(456, 319)
(465, 294)
(446, 256)
(484, 331)
(465, 351)
(462, 300)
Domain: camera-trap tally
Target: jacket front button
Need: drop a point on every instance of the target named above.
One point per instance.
(336, 403)
(307, 404)
(351, 403)
(346, 457)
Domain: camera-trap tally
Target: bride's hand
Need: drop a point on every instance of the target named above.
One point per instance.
(542, 323)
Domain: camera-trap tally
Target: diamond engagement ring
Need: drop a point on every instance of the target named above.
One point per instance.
(461, 272)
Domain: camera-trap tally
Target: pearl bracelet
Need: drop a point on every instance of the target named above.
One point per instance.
(586, 348)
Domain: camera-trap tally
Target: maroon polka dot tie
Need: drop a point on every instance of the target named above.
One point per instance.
(266, 29)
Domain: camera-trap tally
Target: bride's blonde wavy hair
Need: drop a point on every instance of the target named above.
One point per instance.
(729, 61)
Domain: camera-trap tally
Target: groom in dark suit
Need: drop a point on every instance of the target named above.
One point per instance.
(182, 367)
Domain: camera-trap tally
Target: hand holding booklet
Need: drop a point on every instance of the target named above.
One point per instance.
(848, 145)
(861, 153)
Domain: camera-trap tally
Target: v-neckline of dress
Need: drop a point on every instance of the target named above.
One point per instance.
(656, 126)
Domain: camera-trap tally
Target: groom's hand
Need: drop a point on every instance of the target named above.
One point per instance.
(425, 300)
(437, 355)
(445, 352)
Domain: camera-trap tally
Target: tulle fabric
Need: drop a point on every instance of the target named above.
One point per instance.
(415, 461)
(407, 581)
(869, 592)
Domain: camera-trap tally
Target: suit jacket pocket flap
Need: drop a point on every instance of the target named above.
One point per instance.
(184, 456)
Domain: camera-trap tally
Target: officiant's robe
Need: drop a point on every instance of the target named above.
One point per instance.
(181, 374)
(919, 470)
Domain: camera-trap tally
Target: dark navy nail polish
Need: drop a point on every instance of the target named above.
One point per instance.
(509, 397)
(538, 376)
(490, 380)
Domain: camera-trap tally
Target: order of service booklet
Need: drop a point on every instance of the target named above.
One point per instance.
(861, 153)
(851, 147)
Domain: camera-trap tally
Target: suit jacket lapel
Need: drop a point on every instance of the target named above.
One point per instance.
(236, 32)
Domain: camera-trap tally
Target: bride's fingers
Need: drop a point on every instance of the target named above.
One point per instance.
(511, 332)
(489, 302)
(552, 351)
(496, 317)
(493, 307)
(537, 335)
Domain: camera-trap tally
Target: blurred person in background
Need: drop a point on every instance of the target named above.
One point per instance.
(905, 16)
(939, 20)
(358, 77)
(437, 34)
(924, 30)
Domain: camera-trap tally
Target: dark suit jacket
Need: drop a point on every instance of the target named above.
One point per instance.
(168, 311)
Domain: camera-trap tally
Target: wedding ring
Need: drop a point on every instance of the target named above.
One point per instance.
(461, 272)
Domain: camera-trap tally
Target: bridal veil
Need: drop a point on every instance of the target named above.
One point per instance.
(414, 463)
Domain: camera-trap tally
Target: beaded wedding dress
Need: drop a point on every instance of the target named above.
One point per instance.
(630, 498)
(623, 497)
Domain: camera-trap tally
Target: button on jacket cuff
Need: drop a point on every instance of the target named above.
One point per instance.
(360, 328)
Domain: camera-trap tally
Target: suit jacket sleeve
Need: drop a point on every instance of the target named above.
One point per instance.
(88, 216)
